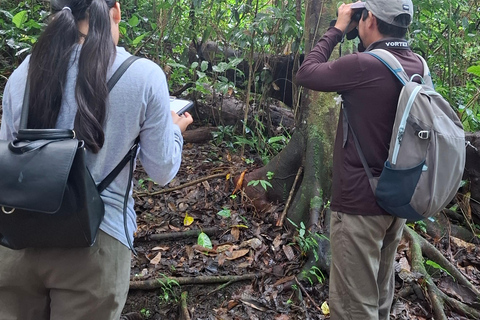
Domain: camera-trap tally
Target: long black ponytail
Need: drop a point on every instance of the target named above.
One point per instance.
(49, 64)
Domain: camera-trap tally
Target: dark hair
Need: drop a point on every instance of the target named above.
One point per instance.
(50, 61)
(389, 29)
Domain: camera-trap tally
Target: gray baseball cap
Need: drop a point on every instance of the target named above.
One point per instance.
(388, 10)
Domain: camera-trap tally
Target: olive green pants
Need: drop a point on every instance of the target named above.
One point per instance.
(362, 272)
(65, 284)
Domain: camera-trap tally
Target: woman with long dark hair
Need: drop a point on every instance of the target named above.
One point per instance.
(68, 72)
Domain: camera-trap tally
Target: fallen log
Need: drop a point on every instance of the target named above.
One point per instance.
(199, 135)
(222, 110)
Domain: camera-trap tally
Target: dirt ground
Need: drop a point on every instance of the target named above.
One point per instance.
(246, 243)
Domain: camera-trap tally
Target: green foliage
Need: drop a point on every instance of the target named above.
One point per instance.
(167, 289)
(446, 33)
(142, 182)
(20, 27)
(257, 140)
(307, 240)
(264, 183)
(145, 313)
(436, 266)
(314, 273)
(224, 136)
(172, 32)
(419, 225)
(226, 213)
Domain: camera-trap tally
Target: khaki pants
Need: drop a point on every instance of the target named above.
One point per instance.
(362, 273)
(65, 284)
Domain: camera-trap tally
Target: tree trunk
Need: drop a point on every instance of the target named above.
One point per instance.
(311, 146)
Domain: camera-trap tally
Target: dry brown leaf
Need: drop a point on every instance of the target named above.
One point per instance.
(232, 304)
(238, 254)
(239, 182)
(190, 252)
(206, 185)
(284, 280)
(289, 252)
(235, 233)
(463, 244)
(172, 206)
(253, 243)
(277, 242)
(245, 264)
(404, 264)
(203, 250)
(226, 247)
(162, 248)
(254, 304)
(157, 259)
(221, 259)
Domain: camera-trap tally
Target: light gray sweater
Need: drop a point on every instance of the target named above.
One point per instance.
(139, 104)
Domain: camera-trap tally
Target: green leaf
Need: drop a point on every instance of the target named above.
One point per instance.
(138, 39)
(20, 18)
(253, 183)
(204, 241)
(265, 184)
(133, 21)
(474, 70)
(226, 213)
(204, 66)
(437, 266)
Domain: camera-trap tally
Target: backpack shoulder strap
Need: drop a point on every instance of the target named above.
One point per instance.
(391, 62)
(427, 77)
(133, 150)
(120, 71)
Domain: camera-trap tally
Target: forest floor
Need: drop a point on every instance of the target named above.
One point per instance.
(245, 244)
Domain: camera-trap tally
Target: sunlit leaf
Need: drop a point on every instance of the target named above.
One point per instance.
(239, 184)
(133, 21)
(20, 18)
(188, 220)
(325, 308)
(475, 70)
(204, 240)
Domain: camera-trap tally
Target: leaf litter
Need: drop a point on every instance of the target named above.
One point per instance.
(247, 242)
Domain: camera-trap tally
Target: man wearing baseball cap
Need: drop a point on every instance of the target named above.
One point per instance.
(363, 236)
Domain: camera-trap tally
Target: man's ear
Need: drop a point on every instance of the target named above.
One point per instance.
(372, 21)
(116, 13)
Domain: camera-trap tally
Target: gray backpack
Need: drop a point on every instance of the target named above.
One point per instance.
(426, 156)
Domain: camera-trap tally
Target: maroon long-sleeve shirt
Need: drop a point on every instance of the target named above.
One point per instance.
(370, 93)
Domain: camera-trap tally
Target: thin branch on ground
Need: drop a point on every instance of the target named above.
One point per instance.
(158, 283)
(290, 197)
(188, 184)
(213, 231)
(307, 295)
